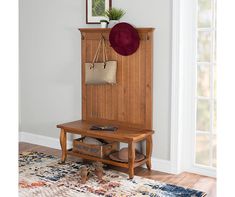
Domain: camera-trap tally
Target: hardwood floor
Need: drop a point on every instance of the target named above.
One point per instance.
(185, 179)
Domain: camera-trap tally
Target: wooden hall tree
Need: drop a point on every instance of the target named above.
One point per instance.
(127, 104)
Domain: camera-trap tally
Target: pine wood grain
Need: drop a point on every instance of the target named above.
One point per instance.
(149, 148)
(123, 134)
(130, 100)
(63, 144)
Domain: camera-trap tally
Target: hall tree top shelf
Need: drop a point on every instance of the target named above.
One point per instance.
(140, 29)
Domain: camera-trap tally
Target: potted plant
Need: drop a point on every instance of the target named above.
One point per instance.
(104, 23)
(114, 15)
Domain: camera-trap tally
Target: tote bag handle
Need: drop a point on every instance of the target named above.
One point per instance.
(104, 55)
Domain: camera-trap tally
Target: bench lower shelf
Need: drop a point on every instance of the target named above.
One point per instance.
(105, 160)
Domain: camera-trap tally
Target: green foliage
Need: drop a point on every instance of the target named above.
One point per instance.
(114, 13)
(98, 7)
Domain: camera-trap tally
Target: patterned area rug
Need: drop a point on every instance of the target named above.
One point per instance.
(41, 175)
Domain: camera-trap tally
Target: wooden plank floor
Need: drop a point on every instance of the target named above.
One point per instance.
(194, 181)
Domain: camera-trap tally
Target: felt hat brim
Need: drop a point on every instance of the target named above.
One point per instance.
(115, 156)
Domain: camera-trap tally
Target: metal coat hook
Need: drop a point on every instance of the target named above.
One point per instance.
(82, 36)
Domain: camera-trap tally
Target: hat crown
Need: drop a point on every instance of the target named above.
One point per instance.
(124, 39)
(123, 154)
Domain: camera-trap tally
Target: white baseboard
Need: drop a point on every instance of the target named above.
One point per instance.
(41, 140)
(203, 171)
(157, 164)
(161, 165)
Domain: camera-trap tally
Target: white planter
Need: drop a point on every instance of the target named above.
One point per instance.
(112, 23)
(103, 24)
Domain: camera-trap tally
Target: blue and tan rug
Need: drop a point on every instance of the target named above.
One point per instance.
(41, 175)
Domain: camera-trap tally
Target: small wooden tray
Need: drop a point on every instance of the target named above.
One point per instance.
(100, 151)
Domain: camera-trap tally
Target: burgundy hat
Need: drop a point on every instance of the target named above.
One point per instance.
(124, 39)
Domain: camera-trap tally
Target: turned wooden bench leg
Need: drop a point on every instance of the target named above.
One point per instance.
(63, 144)
(149, 145)
(131, 158)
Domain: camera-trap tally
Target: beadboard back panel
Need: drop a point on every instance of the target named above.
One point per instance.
(129, 102)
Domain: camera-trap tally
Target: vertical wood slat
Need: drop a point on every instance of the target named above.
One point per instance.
(126, 88)
(120, 89)
(149, 82)
(88, 92)
(131, 88)
(130, 100)
(137, 89)
(114, 96)
(84, 58)
(109, 87)
(142, 84)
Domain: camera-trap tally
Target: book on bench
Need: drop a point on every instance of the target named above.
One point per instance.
(103, 128)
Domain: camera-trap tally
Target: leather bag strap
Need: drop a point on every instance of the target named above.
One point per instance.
(96, 54)
(104, 53)
(105, 57)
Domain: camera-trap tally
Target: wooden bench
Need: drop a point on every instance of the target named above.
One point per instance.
(127, 135)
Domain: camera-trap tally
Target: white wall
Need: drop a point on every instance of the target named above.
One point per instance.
(50, 67)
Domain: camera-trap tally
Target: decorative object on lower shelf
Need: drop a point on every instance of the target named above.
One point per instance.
(99, 171)
(94, 141)
(100, 150)
(122, 156)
